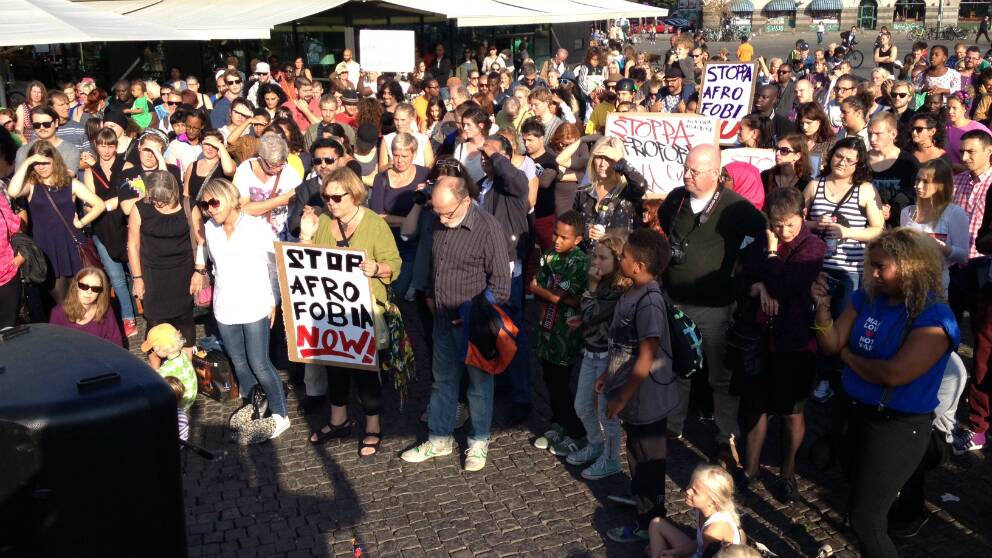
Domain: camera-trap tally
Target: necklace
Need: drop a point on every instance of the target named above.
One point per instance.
(345, 224)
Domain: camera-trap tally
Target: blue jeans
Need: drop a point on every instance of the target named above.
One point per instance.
(600, 430)
(519, 369)
(117, 274)
(408, 254)
(248, 347)
(449, 365)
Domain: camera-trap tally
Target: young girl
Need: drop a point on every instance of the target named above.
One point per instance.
(711, 493)
(139, 111)
(605, 286)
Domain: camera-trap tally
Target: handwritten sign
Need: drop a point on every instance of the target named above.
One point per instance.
(327, 306)
(657, 144)
(727, 94)
(763, 159)
(383, 50)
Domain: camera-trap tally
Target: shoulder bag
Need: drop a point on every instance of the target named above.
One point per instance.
(88, 256)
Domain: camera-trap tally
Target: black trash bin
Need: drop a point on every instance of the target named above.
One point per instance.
(89, 451)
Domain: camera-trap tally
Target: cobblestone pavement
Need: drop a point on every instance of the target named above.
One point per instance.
(290, 498)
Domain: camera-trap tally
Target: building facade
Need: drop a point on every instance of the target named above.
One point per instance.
(778, 16)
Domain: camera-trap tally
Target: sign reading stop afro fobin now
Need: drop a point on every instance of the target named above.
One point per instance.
(657, 144)
(327, 306)
(727, 95)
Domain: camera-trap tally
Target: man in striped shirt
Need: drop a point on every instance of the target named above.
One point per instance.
(471, 253)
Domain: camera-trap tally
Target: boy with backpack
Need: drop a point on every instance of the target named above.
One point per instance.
(639, 382)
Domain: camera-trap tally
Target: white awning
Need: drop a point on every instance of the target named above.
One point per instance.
(218, 19)
(484, 13)
(35, 22)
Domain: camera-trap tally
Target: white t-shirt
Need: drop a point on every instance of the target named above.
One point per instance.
(243, 270)
(249, 186)
(472, 162)
(951, 228)
(181, 154)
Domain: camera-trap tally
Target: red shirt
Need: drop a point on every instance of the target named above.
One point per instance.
(343, 118)
(302, 122)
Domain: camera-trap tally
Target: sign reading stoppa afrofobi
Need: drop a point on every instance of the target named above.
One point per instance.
(327, 306)
(727, 95)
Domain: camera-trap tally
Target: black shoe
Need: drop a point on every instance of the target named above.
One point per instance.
(789, 489)
(519, 413)
(310, 403)
(907, 529)
(333, 431)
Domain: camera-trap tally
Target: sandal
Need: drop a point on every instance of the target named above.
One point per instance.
(375, 445)
(342, 430)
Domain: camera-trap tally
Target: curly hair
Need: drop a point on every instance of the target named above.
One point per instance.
(370, 112)
(862, 170)
(933, 121)
(920, 267)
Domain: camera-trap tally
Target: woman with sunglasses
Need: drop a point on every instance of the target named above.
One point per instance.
(109, 230)
(348, 224)
(927, 137)
(214, 162)
(160, 249)
(87, 307)
(244, 304)
(791, 168)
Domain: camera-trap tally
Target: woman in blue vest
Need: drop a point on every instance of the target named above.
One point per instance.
(894, 339)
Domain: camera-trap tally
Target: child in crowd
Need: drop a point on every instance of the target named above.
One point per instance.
(711, 494)
(139, 111)
(605, 285)
(167, 343)
(560, 280)
(182, 417)
(639, 382)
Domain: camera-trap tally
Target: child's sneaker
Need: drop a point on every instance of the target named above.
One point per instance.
(627, 534)
(475, 456)
(550, 437)
(602, 468)
(585, 455)
(425, 451)
(567, 446)
(969, 441)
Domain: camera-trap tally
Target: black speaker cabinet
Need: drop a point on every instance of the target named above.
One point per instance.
(89, 451)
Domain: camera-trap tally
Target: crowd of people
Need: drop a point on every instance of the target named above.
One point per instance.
(841, 273)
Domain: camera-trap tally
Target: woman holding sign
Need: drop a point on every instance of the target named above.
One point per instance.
(348, 224)
(612, 197)
(244, 304)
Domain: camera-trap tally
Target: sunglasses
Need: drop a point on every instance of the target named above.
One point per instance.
(94, 288)
(40, 125)
(900, 95)
(260, 74)
(243, 115)
(786, 151)
(207, 204)
(336, 198)
(920, 129)
(233, 81)
(172, 103)
(324, 160)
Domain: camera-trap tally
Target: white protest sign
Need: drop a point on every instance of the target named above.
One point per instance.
(327, 306)
(727, 94)
(657, 144)
(386, 51)
(763, 159)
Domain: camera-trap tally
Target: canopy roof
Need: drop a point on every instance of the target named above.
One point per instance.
(483, 13)
(34, 22)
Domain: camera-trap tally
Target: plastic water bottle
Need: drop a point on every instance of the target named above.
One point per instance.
(831, 241)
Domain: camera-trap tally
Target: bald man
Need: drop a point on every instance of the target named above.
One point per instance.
(707, 226)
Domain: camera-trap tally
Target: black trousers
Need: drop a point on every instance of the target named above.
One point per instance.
(911, 504)
(369, 388)
(10, 302)
(882, 450)
(647, 454)
(558, 378)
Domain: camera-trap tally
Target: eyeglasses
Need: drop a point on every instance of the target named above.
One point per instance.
(197, 128)
(39, 125)
(451, 214)
(324, 160)
(84, 287)
(786, 151)
(920, 129)
(272, 167)
(844, 161)
(336, 198)
(207, 204)
(233, 81)
(839, 88)
(694, 173)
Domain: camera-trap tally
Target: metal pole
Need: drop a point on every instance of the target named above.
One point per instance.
(940, 14)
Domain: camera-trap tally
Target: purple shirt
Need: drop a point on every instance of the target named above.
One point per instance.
(954, 138)
(107, 329)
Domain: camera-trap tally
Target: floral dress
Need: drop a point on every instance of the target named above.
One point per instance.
(556, 343)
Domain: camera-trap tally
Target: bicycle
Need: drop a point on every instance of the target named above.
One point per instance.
(855, 58)
(916, 33)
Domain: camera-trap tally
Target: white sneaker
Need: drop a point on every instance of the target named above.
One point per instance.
(425, 451)
(282, 425)
(475, 458)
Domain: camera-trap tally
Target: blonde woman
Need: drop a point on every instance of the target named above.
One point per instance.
(610, 198)
(711, 494)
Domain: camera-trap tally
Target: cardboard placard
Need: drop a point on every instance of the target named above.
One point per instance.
(728, 94)
(382, 50)
(763, 159)
(657, 144)
(327, 306)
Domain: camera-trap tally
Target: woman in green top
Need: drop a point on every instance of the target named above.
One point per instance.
(139, 111)
(348, 224)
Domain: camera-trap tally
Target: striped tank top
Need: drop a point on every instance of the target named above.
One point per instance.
(850, 254)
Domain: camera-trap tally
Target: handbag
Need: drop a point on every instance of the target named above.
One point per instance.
(746, 340)
(88, 256)
(259, 403)
(215, 375)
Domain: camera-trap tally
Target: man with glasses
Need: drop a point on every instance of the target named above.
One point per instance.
(221, 115)
(327, 155)
(845, 87)
(263, 75)
(268, 185)
(596, 124)
(45, 123)
(972, 67)
(900, 98)
(708, 225)
(432, 90)
(348, 117)
(470, 252)
(699, 58)
(674, 95)
(786, 88)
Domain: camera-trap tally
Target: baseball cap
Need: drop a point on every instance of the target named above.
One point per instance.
(674, 71)
(262, 68)
(626, 84)
(160, 336)
(367, 137)
(349, 97)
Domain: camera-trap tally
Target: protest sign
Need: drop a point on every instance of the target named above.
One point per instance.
(657, 144)
(763, 159)
(327, 306)
(383, 50)
(727, 94)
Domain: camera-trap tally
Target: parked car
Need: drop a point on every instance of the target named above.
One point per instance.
(677, 23)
